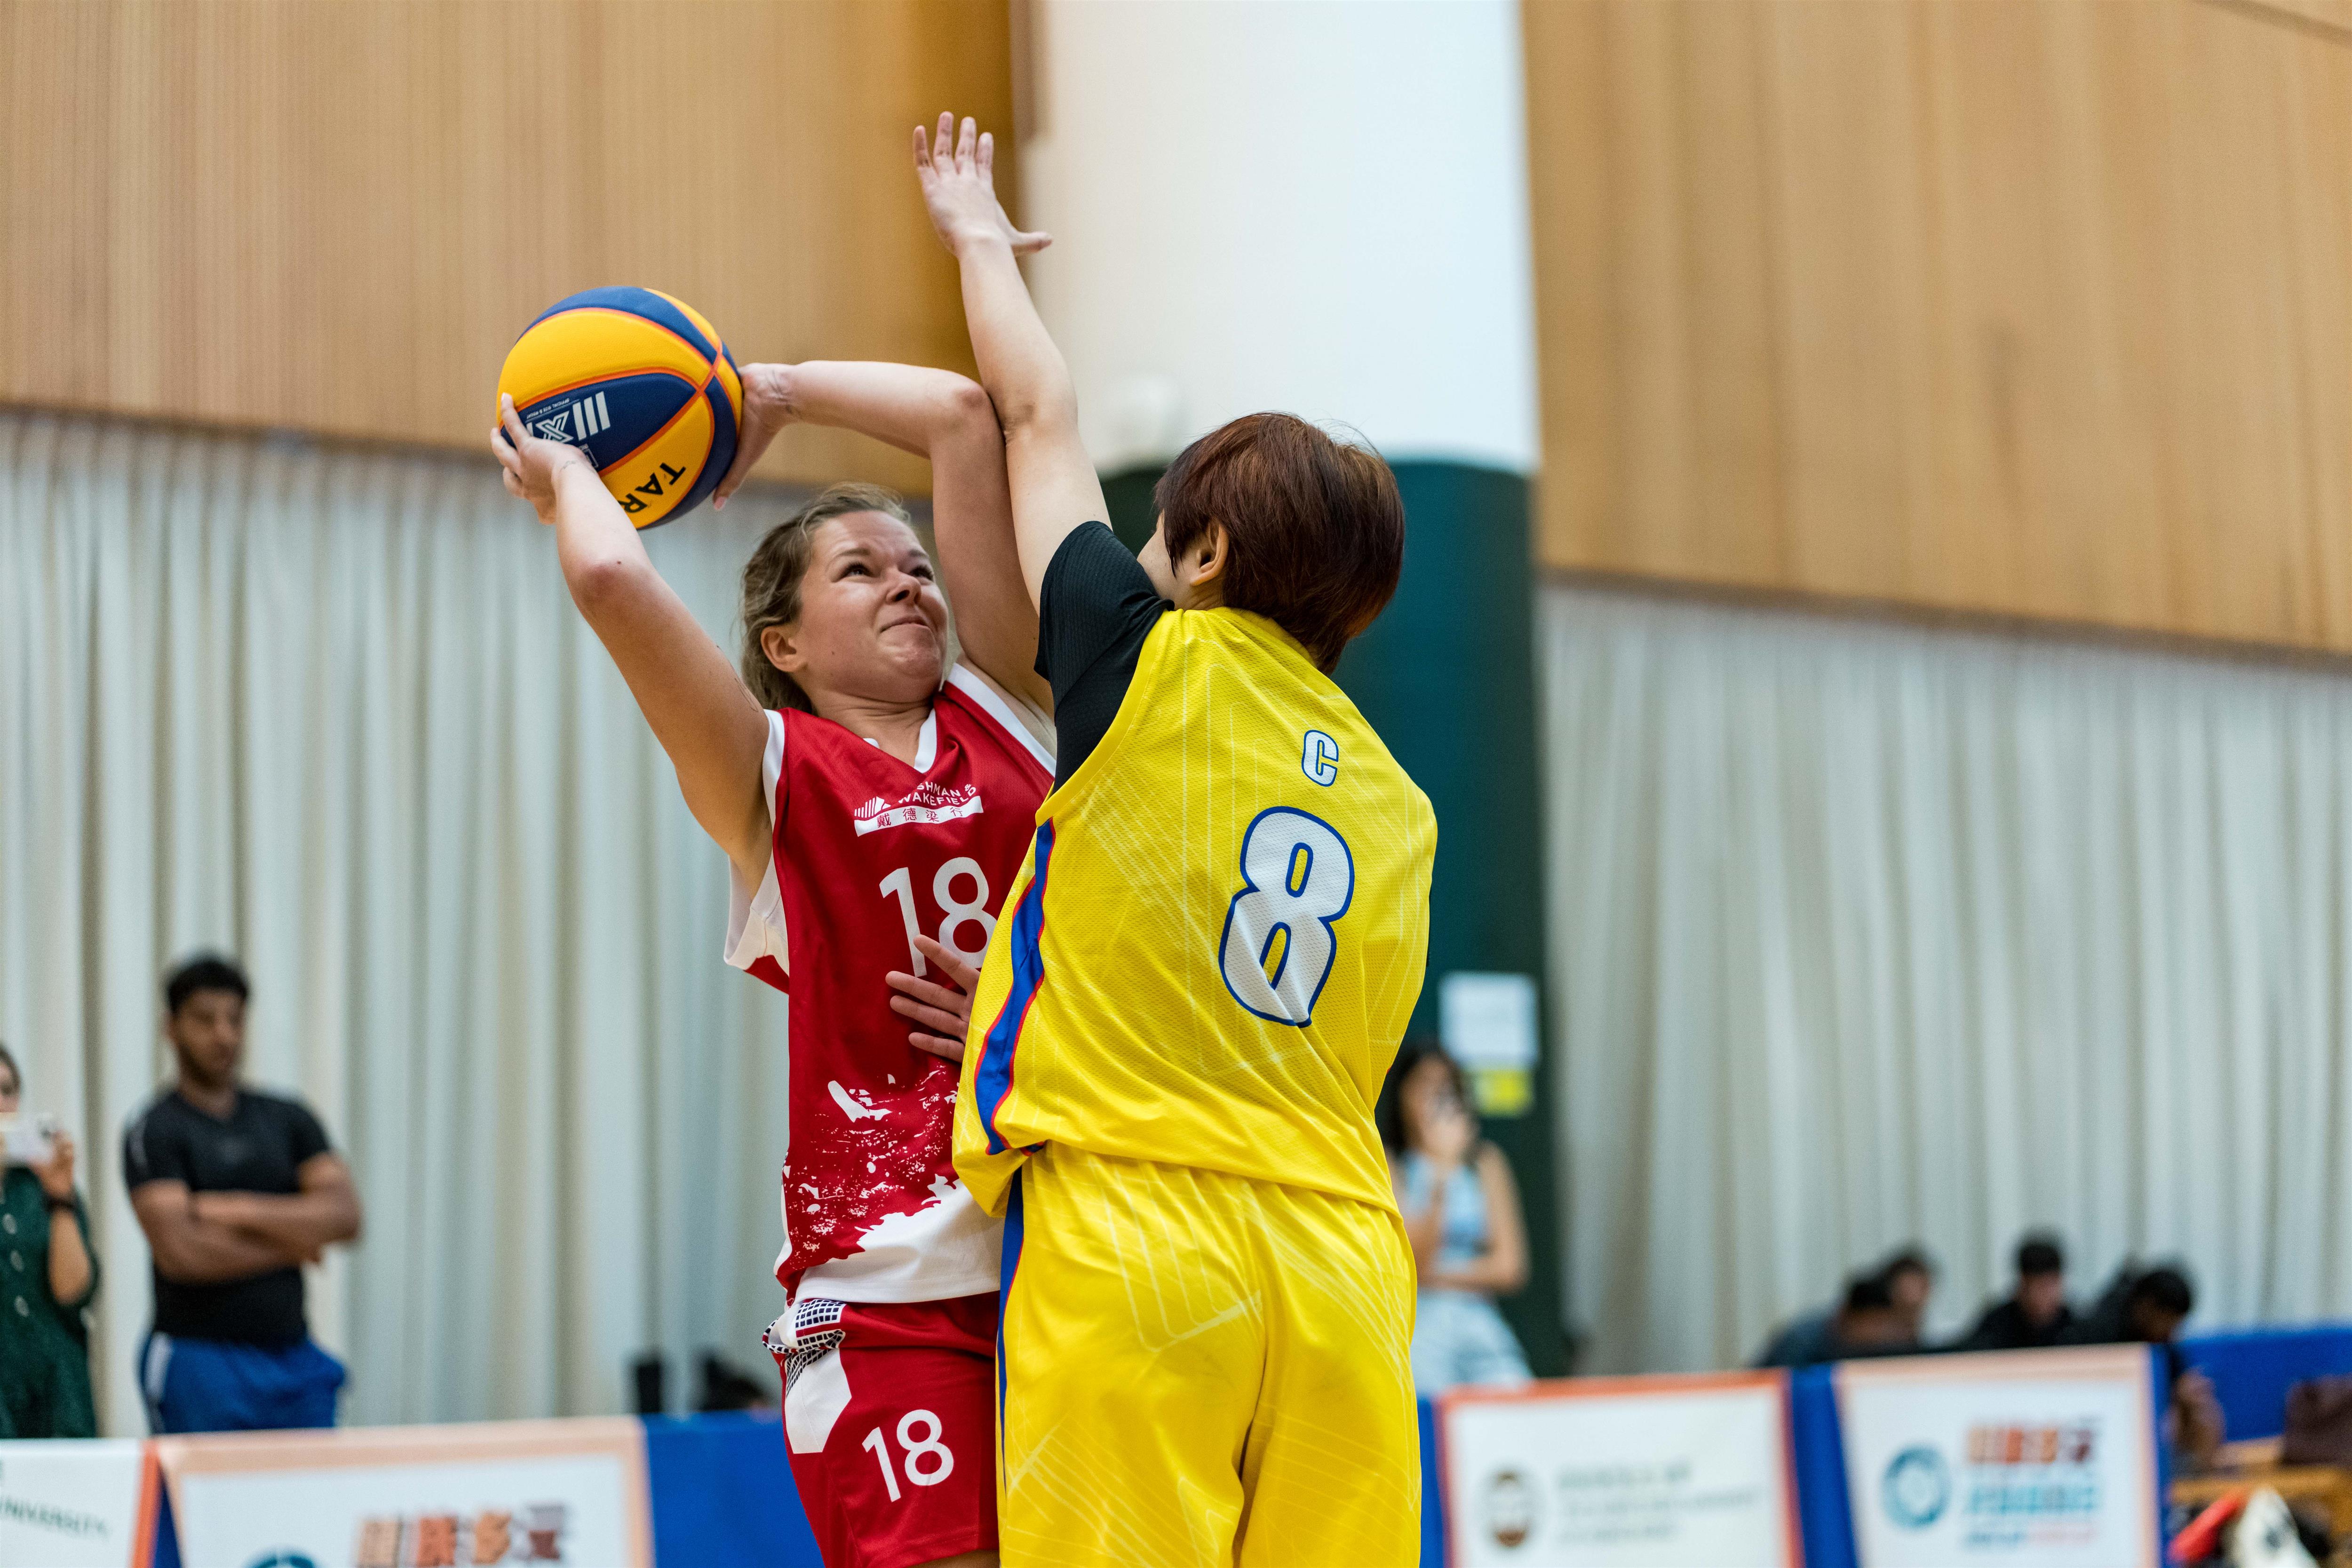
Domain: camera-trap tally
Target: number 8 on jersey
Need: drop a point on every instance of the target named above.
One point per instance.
(1298, 879)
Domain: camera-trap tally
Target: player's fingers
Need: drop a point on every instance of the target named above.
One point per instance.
(968, 144)
(925, 991)
(947, 1021)
(951, 1050)
(514, 485)
(987, 158)
(747, 452)
(943, 142)
(951, 963)
(922, 150)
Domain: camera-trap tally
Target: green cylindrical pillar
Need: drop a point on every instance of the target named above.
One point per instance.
(1447, 675)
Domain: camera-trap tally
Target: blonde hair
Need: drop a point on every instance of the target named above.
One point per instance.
(772, 582)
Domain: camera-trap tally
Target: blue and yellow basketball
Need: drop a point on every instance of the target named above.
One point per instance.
(640, 382)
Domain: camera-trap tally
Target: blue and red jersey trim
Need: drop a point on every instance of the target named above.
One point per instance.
(993, 1079)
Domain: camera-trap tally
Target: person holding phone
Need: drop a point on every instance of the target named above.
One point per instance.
(48, 1277)
(1461, 1210)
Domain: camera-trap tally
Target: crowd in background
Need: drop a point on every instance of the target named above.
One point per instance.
(236, 1190)
(1883, 1312)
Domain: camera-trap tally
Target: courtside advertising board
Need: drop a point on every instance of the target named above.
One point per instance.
(2023, 1460)
(1638, 1472)
(524, 1491)
(75, 1504)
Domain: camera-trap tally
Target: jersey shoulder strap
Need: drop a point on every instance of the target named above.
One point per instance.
(969, 692)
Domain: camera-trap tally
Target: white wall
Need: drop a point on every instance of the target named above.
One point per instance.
(1275, 204)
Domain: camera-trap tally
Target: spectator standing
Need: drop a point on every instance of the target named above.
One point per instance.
(1462, 1213)
(235, 1191)
(2036, 1313)
(48, 1275)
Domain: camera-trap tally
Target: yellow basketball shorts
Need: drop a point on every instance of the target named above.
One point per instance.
(1202, 1371)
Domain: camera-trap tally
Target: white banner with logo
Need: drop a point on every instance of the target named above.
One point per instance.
(542, 1492)
(2025, 1459)
(1639, 1472)
(75, 1505)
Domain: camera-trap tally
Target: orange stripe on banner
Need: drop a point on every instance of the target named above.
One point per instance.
(151, 1494)
(1666, 1384)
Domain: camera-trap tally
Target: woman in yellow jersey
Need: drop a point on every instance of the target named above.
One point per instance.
(1199, 981)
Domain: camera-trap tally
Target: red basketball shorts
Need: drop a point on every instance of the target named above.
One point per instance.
(890, 1416)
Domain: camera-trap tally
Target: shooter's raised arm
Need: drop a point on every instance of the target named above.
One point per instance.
(947, 418)
(1055, 489)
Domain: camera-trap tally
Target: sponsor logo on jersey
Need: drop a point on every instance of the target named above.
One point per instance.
(926, 802)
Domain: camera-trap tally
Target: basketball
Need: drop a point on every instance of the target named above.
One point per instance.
(643, 384)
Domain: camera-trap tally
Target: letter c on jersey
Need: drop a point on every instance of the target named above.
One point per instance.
(1319, 758)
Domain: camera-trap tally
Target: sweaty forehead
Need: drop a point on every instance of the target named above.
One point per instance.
(870, 533)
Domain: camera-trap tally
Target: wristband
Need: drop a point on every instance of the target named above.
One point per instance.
(55, 1204)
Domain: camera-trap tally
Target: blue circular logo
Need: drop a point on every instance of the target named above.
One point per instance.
(1917, 1488)
(285, 1557)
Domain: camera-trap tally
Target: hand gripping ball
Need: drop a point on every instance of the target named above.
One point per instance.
(640, 382)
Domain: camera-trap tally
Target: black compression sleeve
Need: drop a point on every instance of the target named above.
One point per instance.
(1098, 606)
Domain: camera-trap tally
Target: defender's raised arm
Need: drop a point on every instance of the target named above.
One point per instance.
(1055, 489)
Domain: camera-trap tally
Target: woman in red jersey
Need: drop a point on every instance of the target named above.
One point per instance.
(874, 800)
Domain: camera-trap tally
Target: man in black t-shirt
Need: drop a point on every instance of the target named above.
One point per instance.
(235, 1191)
(2035, 1313)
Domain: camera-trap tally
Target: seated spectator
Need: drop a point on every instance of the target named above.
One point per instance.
(1910, 1276)
(2148, 1307)
(235, 1191)
(1868, 1322)
(47, 1275)
(2139, 1305)
(1461, 1211)
(2035, 1313)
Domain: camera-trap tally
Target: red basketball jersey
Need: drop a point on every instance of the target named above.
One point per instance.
(868, 850)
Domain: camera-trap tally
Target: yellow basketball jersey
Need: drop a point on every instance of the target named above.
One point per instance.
(1210, 953)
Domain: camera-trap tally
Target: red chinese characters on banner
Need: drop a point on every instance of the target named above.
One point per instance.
(457, 1540)
(2074, 1443)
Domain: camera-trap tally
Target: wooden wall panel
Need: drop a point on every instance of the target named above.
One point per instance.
(336, 214)
(2034, 307)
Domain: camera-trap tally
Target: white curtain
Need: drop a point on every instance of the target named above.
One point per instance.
(1865, 932)
(330, 710)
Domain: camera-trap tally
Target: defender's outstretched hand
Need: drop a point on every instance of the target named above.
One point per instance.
(958, 174)
(533, 462)
(946, 1013)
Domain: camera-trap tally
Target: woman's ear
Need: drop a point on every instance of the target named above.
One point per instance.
(776, 642)
(1207, 556)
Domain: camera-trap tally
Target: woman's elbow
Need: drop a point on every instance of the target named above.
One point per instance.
(602, 583)
(74, 1293)
(1050, 414)
(967, 406)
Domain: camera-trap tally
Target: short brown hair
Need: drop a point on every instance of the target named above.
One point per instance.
(1315, 526)
(772, 582)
